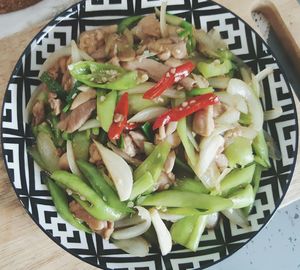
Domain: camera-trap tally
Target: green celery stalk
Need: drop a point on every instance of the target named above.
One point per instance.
(187, 231)
(128, 22)
(237, 178)
(181, 166)
(200, 91)
(261, 149)
(255, 182)
(239, 152)
(243, 197)
(213, 69)
(181, 211)
(176, 198)
(137, 103)
(148, 148)
(245, 119)
(106, 108)
(141, 185)
(34, 153)
(81, 145)
(188, 146)
(154, 162)
(189, 184)
(148, 132)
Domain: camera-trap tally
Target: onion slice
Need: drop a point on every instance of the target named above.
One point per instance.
(170, 217)
(147, 114)
(162, 19)
(136, 246)
(273, 114)
(136, 230)
(212, 220)
(234, 101)
(264, 73)
(119, 171)
(238, 87)
(163, 235)
(92, 123)
(71, 159)
(237, 217)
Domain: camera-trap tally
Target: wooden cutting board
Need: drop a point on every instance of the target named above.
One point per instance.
(22, 244)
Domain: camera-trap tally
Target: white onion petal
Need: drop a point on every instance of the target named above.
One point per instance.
(162, 19)
(234, 101)
(264, 73)
(170, 217)
(92, 123)
(163, 235)
(230, 116)
(237, 217)
(209, 147)
(147, 114)
(273, 114)
(136, 246)
(212, 220)
(71, 159)
(28, 109)
(238, 87)
(122, 176)
(136, 230)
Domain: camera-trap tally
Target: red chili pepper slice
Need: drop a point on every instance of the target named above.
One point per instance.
(186, 108)
(131, 126)
(174, 75)
(120, 118)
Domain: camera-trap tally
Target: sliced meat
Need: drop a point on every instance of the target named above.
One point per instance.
(138, 138)
(38, 113)
(95, 156)
(129, 147)
(77, 117)
(165, 180)
(173, 139)
(83, 97)
(172, 62)
(203, 122)
(219, 109)
(63, 162)
(55, 103)
(147, 27)
(92, 42)
(60, 72)
(156, 70)
(104, 228)
(169, 164)
(221, 162)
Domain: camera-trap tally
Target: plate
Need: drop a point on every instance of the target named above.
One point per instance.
(25, 175)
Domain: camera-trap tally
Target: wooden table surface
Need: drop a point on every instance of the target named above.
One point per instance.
(22, 244)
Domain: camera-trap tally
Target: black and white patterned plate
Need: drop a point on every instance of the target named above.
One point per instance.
(25, 174)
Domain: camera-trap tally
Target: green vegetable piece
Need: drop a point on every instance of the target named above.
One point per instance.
(81, 145)
(70, 96)
(255, 183)
(181, 211)
(188, 146)
(66, 136)
(243, 197)
(148, 148)
(176, 198)
(106, 108)
(188, 230)
(137, 103)
(261, 149)
(154, 163)
(141, 185)
(103, 137)
(60, 201)
(237, 178)
(95, 131)
(192, 185)
(57, 134)
(173, 19)
(239, 152)
(94, 205)
(148, 132)
(214, 68)
(103, 75)
(181, 166)
(128, 23)
(151, 236)
(97, 180)
(225, 54)
(53, 85)
(34, 153)
(48, 151)
(200, 91)
(245, 119)
(121, 142)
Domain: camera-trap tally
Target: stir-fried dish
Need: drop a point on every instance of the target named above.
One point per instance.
(149, 131)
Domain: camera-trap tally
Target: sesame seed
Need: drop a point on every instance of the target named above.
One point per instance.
(192, 101)
(118, 118)
(184, 104)
(167, 74)
(172, 70)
